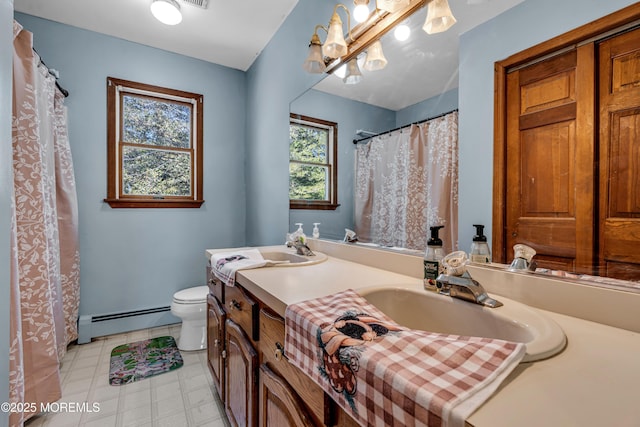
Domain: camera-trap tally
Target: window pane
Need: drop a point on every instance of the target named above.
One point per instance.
(150, 121)
(308, 182)
(155, 172)
(308, 144)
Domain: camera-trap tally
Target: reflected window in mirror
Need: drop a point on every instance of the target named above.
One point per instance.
(313, 168)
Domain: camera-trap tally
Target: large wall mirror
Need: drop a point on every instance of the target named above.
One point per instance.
(390, 100)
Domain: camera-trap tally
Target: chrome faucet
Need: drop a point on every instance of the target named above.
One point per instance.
(456, 281)
(523, 260)
(301, 248)
(465, 288)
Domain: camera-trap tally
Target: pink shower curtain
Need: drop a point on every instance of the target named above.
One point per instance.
(407, 181)
(45, 257)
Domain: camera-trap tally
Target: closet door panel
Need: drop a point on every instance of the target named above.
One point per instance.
(619, 69)
(549, 151)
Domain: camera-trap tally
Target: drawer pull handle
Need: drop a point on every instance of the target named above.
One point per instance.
(216, 343)
(234, 304)
(279, 353)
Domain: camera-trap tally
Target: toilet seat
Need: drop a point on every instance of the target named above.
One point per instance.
(196, 295)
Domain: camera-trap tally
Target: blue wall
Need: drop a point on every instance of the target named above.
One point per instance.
(274, 80)
(431, 107)
(6, 186)
(137, 258)
(350, 116)
(527, 24)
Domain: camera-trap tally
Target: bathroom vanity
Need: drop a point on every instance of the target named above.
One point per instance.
(593, 381)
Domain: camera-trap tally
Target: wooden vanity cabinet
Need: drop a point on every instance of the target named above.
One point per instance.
(216, 318)
(280, 405)
(241, 374)
(251, 374)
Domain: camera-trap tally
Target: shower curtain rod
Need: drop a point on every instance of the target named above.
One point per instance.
(54, 74)
(355, 141)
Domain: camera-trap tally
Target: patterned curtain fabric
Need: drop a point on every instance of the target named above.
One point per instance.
(406, 182)
(45, 273)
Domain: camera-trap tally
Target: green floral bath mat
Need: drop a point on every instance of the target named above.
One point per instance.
(143, 359)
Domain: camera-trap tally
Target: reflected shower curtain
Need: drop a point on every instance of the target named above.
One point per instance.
(44, 250)
(407, 181)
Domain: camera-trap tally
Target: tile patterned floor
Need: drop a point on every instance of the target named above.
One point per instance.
(180, 398)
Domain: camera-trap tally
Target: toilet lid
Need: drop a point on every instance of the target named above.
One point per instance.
(192, 295)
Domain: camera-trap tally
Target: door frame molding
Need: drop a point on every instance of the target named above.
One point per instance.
(564, 41)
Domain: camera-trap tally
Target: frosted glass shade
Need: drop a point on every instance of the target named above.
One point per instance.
(439, 17)
(392, 5)
(335, 45)
(375, 57)
(354, 75)
(166, 11)
(315, 62)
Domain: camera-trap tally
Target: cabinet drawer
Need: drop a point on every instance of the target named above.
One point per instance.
(216, 287)
(243, 310)
(272, 349)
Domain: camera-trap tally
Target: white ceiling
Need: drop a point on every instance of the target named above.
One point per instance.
(234, 32)
(229, 32)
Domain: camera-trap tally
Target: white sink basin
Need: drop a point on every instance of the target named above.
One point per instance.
(289, 258)
(428, 311)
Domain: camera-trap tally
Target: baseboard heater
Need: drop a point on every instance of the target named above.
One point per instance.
(98, 325)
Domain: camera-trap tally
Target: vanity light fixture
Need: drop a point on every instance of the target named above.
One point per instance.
(166, 11)
(439, 17)
(338, 50)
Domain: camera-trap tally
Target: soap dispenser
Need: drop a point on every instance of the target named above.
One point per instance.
(480, 251)
(432, 258)
(316, 230)
(299, 235)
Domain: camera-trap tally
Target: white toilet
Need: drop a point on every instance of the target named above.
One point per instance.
(191, 306)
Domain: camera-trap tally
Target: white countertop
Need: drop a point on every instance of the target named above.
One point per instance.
(595, 381)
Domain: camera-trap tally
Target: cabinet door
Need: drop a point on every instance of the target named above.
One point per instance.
(619, 249)
(550, 160)
(241, 373)
(280, 406)
(216, 318)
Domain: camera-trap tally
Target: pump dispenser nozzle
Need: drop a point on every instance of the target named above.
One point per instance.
(479, 237)
(435, 240)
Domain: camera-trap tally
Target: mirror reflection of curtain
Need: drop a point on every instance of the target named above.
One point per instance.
(44, 247)
(407, 181)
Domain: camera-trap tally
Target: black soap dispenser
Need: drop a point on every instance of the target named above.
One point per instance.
(480, 251)
(432, 257)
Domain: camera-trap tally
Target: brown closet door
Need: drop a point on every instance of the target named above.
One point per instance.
(550, 160)
(619, 67)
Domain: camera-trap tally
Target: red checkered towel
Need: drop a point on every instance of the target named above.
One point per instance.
(387, 375)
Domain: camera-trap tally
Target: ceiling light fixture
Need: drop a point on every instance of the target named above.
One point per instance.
(166, 11)
(439, 17)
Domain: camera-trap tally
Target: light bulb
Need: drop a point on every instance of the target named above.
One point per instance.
(402, 32)
(361, 13)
